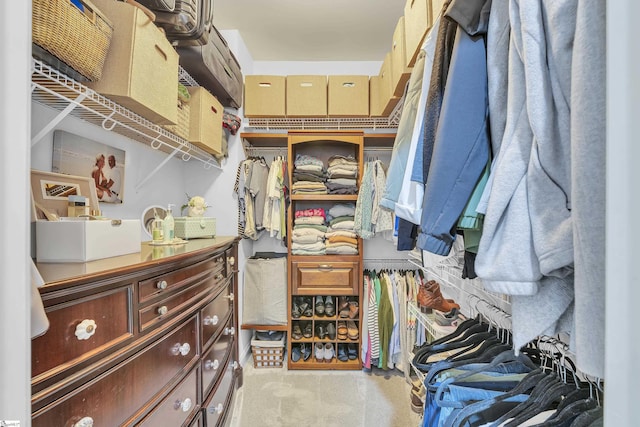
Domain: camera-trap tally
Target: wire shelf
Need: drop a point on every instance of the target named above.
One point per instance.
(329, 123)
(56, 90)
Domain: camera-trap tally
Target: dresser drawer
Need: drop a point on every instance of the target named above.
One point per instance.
(166, 283)
(218, 406)
(115, 396)
(178, 407)
(163, 309)
(325, 278)
(81, 329)
(197, 422)
(214, 315)
(213, 360)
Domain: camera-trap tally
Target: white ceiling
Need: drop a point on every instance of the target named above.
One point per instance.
(312, 30)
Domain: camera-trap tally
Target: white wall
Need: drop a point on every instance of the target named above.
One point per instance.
(327, 68)
(622, 289)
(166, 186)
(15, 342)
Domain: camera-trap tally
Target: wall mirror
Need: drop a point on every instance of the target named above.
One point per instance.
(51, 191)
(148, 215)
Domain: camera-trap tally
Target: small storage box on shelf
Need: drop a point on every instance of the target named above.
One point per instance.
(267, 354)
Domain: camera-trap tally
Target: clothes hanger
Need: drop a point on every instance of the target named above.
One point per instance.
(548, 396)
(527, 383)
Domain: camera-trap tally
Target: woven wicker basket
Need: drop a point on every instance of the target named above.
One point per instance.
(80, 38)
(182, 128)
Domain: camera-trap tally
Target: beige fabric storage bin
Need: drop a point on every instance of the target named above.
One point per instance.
(400, 71)
(375, 101)
(417, 20)
(348, 96)
(205, 120)
(387, 100)
(265, 96)
(307, 96)
(265, 291)
(141, 68)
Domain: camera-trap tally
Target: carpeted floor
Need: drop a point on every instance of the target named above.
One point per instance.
(276, 397)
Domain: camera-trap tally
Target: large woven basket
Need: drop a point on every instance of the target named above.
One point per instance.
(79, 38)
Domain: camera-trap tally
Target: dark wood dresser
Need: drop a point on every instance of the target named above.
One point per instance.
(143, 339)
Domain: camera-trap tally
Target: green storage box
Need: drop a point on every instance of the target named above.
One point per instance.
(194, 227)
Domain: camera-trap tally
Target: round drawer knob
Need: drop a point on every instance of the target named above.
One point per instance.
(230, 296)
(216, 409)
(84, 422)
(220, 260)
(232, 260)
(162, 284)
(185, 405)
(234, 365)
(209, 365)
(86, 329)
(183, 349)
(162, 310)
(208, 320)
(230, 330)
(219, 277)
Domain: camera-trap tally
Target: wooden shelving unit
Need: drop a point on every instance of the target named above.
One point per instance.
(324, 275)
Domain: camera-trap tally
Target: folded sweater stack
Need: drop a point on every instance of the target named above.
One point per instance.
(308, 176)
(308, 234)
(340, 237)
(342, 173)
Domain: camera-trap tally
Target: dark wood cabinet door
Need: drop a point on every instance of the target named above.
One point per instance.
(115, 396)
(215, 314)
(158, 286)
(179, 407)
(325, 278)
(80, 329)
(213, 360)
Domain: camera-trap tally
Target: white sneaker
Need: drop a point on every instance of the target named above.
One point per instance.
(329, 353)
(319, 352)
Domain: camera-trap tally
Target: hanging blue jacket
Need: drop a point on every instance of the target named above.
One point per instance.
(461, 148)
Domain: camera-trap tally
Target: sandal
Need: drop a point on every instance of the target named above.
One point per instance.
(353, 309)
(342, 331)
(295, 309)
(329, 308)
(307, 331)
(352, 330)
(319, 306)
(296, 333)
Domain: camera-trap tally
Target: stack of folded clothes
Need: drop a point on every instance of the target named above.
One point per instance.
(340, 237)
(307, 236)
(342, 173)
(308, 176)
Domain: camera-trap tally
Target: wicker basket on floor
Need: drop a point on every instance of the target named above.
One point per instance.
(78, 34)
(267, 354)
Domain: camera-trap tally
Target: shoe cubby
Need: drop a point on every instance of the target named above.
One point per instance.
(332, 332)
(325, 278)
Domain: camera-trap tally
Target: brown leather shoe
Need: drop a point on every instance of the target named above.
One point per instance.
(430, 297)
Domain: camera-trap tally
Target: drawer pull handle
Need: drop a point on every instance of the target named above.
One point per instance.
(185, 405)
(220, 260)
(209, 365)
(162, 310)
(162, 284)
(219, 277)
(208, 320)
(230, 296)
(325, 267)
(86, 329)
(183, 349)
(84, 422)
(230, 331)
(232, 260)
(216, 409)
